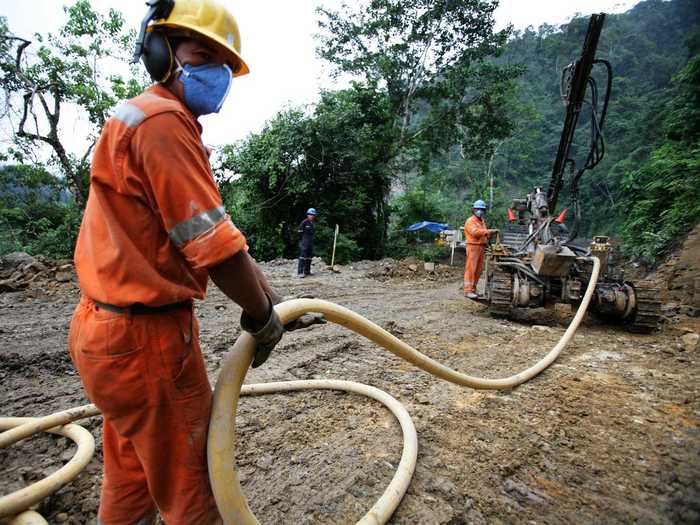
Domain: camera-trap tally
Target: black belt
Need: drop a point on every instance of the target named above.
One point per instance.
(140, 309)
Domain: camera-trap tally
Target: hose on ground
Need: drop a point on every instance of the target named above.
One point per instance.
(229, 387)
(22, 499)
(28, 517)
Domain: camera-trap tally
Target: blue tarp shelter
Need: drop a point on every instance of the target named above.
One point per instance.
(434, 227)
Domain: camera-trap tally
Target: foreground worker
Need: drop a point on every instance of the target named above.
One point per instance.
(306, 243)
(153, 232)
(476, 235)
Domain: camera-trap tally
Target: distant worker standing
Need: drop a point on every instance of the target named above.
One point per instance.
(306, 243)
(476, 234)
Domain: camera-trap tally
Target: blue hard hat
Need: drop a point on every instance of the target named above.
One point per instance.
(311, 211)
(479, 205)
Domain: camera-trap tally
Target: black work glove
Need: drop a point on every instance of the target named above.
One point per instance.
(305, 321)
(266, 337)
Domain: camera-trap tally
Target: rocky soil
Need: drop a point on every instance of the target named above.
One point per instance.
(609, 434)
(679, 278)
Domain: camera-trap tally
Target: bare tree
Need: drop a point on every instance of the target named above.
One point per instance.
(40, 77)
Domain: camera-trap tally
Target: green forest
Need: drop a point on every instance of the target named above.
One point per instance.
(441, 103)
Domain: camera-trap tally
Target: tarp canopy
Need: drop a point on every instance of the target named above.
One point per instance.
(434, 227)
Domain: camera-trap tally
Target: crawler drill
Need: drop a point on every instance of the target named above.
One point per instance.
(536, 260)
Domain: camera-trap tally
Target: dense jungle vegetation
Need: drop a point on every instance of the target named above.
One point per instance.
(440, 104)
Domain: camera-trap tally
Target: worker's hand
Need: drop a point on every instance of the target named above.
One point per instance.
(305, 321)
(266, 337)
(275, 297)
(492, 231)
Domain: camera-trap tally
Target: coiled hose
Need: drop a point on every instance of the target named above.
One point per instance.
(221, 445)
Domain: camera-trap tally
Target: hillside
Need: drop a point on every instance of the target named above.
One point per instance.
(646, 46)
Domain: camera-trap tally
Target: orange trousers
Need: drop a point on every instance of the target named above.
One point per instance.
(147, 376)
(473, 266)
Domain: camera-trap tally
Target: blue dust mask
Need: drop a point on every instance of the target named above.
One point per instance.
(206, 86)
(479, 213)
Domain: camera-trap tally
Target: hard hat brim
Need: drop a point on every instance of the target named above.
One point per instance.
(235, 60)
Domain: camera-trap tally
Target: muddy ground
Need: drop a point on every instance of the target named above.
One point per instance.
(608, 434)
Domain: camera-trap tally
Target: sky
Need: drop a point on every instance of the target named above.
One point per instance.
(278, 45)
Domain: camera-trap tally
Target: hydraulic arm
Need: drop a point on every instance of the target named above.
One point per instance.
(576, 78)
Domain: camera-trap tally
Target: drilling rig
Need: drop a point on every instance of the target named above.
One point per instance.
(536, 261)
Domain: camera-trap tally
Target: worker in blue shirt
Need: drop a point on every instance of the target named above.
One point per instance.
(306, 243)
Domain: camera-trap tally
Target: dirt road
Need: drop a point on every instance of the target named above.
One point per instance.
(608, 434)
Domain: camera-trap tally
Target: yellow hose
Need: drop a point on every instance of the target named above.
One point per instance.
(22, 499)
(36, 425)
(28, 517)
(233, 505)
(229, 386)
(221, 446)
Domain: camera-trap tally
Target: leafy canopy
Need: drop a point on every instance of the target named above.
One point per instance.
(330, 158)
(40, 78)
(432, 59)
(36, 214)
(663, 193)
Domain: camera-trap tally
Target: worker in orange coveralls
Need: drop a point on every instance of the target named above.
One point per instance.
(154, 231)
(476, 235)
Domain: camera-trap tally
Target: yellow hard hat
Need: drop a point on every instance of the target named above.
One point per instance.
(210, 19)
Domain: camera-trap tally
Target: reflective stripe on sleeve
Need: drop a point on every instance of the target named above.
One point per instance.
(129, 114)
(196, 226)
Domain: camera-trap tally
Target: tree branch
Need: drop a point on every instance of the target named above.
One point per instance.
(416, 76)
(83, 160)
(20, 50)
(49, 115)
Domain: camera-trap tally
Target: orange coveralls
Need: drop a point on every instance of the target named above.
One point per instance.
(153, 224)
(476, 235)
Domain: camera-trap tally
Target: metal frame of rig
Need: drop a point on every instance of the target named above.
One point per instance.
(536, 261)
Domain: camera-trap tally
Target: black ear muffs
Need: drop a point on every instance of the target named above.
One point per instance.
(153, 47)
(157, 56)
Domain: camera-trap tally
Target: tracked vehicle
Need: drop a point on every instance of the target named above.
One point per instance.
(535, 260)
